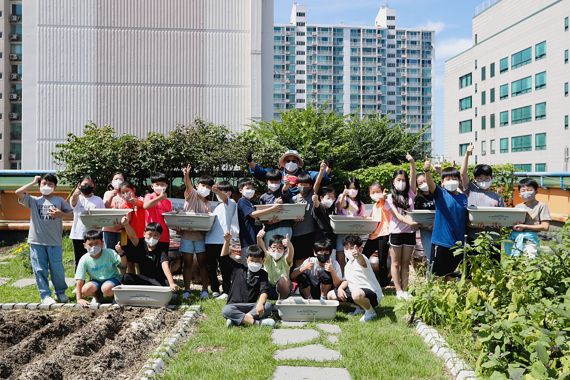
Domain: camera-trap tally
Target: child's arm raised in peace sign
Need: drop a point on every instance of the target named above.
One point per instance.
(187, 182)
(413, 171)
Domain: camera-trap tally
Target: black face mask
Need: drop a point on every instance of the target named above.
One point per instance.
(323, 258)
(86, 189)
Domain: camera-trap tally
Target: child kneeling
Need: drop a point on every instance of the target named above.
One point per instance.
(247, 300)
(102, 266)
(360, 286)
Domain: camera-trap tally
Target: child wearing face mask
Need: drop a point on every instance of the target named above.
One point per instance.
(320, 274)
(424, 201)
(45, 235)
(275, 195)
(102, 265)
(112, 199)
(304, 229)
(82, 200)
(537, 219)
(323, 208)
(157, 203)
(248, 298)
(278, 260)
(136, 218)
(450, 220)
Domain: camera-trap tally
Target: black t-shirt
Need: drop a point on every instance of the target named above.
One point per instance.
(150, 262)
(424, 202)
(246, 286)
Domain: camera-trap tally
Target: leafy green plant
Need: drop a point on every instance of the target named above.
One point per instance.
(22, 253)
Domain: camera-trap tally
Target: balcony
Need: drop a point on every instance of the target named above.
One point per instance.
(15, 57)
(14, 96)
(15, 37)
(15, 18)
(15, 76)
(14, 116)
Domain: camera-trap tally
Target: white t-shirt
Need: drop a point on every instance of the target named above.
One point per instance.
(362, 278)
(226, 220)
(83, 204)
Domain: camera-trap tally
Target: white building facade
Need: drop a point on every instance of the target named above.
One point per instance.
(141, 66)
(508, 94)
(355, 69)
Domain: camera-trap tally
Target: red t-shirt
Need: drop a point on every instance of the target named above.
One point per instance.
(137, 216)
(154, 214)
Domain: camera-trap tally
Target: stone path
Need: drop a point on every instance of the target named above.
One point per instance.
(298, 333)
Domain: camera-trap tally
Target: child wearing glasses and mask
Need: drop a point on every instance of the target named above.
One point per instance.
(278, 260)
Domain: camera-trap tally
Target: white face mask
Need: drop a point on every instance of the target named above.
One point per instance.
(94, 251)
(116, 183)
(327, 202)
(451, 185)
(254, 267)
(151, 242)
(376, 197)
(248, 193)
(291, 166)
(276, 255)
(424, 187)
(352, 193)
(484, 185)
(46, 190)
(527, 195)
(400, 185)
(203, 191)
(159, 189)
(273, 186)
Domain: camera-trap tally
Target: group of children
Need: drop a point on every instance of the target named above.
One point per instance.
(262, 261)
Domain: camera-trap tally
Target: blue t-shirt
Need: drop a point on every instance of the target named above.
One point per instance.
(450, 218)
(248, 229)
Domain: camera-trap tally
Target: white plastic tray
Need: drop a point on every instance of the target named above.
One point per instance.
(297, 309)
(289, 212)
(188, 220)
(502, 216)
(142, 295)
(355, 225)
(103, 217)
(423, 217)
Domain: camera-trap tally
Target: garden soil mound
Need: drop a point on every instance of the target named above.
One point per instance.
(80, 344)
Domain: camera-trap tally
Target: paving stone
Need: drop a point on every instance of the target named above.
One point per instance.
(23, 282)
(293, 324)
(290, 336)
(8, 306)
(333, 339)
(4, 280)
(328, 328)
(42, 307)
(32, 306)
(56, 306)
(465, 375)
(316, 352)
(69, 305)
(20, 305)
(310, 373)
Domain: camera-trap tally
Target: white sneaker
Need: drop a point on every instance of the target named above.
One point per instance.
(268, 322)
(204, 294)
(222, 296)
(48, 301)
(215, 294)
(407, 296)
(186, 295)
(357, 311)
(368, 315)
(400, 295)
(62, 298)
(94, 302)
(229, 323)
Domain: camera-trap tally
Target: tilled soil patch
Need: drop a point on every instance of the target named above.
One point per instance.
(80, 344)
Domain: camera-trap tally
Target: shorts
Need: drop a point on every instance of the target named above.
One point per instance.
(99, 284)
(443, 261)
(273, 294)
(133, 253)
(304, 282)
(381, 245)
(192, 246)
(372, 297)
(303, 245)
(407, 239)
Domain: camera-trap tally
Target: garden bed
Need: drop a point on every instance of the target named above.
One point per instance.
(78, 344)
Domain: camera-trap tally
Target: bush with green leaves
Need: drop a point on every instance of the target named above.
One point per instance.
(514, 316)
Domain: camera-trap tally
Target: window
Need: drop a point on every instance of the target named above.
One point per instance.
(483, 98)
(483, 122)
(492, 70)
(504, 91)
(504, 145)
(521, 86)
(465, 81)
(483, 148)
(492, 95)
(463, 149)
(523, 167)
(465, 126)
(566, 56)
(540, 50)
(483, 73)
(566, 89)
(521, 143)
(539, 167)
(523, 57)
(492, 146)
(566, 122)
(521, 115)
(540, 111)
(566, 23)
(540, 141)
(465, 103)
(504, 118)
(504, 65)
(540, 80)
(492, 121)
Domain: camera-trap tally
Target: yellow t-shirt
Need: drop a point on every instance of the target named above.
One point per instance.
(276, 269)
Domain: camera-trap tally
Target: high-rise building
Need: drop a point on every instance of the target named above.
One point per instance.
(508, 93)
(11, 84)
(141, 66)
(355, 69)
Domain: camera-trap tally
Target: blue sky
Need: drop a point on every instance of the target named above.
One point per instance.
(450, 19)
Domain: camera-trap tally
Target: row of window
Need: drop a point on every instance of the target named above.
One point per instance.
(518, 144)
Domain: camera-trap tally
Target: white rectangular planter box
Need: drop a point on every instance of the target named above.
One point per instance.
(142, 295)
(103, 217)
(503, 216)
(423, 217)
(297, 309)
(189, 221)
(289, 212)
(353, 225)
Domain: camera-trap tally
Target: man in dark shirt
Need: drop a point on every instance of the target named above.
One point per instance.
(247, 300)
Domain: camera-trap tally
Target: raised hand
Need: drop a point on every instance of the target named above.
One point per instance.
(249, 156)
(427, 165)
(124, 221)
(409, 157)
(261, 233)
(37, 179)
(469, 150)
(187, 169)
(323, 166)
(285, 241)
(228, 236)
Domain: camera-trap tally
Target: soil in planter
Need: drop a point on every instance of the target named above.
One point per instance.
(80, 344)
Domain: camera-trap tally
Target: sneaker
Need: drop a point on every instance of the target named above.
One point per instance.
(204, 294)
(357, 311)
(323, 298)
(94, 302)
(186, 295)
(407, 296)
(222, 296)
(48, 301)
(400, 295)
(268, 322)
(215, 294)
(368, 315)
(229, 323)
(62, 298)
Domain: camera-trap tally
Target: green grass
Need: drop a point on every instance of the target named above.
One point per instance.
(383, 349)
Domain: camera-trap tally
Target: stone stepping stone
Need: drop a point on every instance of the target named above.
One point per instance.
(290, 336)
(315, 352)
(310, 373)
(333, 339)
(293, 324)
(23, 282)
(4, 280)
(328, 328)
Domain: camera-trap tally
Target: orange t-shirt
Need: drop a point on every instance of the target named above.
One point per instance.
(383, 216)
(154, 214)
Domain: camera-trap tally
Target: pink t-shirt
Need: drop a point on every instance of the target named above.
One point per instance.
(350, 208)
(154, 214)
(397, 226)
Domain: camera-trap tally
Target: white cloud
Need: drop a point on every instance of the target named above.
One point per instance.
(436, 26)
(450, 47)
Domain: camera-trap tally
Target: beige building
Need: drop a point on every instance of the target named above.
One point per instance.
(508, 94)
